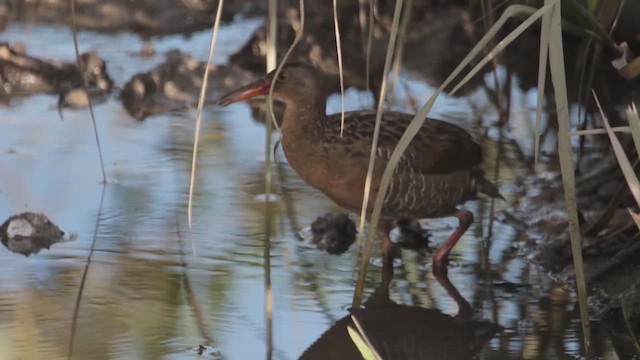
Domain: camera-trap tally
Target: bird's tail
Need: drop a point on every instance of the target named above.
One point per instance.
(485, 186)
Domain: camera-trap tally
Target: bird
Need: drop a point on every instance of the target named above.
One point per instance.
(440, 169)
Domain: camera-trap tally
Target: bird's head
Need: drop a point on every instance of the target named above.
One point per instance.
(297, 83)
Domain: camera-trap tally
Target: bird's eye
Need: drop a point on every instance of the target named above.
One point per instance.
(282, 76)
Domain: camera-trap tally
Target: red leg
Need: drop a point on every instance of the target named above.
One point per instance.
(441, 257)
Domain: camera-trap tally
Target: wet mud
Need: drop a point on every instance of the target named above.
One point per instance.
(147, 17)
(22, 75)
(175, 85)
(610, 239)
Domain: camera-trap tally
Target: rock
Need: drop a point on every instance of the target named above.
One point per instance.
(28, 233)
(21, 74)
(333, 233)
(175, 85)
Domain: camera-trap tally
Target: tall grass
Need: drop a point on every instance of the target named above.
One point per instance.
(272, 59)
(558, 78)
(418, 120)
(362, 342)
(201, 99)
(85, 273)
(368, 247)
(339, 54)
(551, 48)
(273, 18)
(85, 276)
(74, 31)
(623, 160)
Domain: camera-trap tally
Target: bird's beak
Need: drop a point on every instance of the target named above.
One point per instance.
(257, 88)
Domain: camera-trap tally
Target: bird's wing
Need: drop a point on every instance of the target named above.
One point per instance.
(439, 147)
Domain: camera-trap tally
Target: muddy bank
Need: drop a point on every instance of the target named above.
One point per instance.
(146, 17)
(175, 85)
(23, 75)
(609, 235)
(439, 35)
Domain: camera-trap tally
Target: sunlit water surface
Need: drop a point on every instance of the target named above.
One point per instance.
(138, 282)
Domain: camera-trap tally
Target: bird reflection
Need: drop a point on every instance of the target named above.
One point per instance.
(407, 332)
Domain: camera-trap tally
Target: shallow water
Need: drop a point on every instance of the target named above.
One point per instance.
(138, 282)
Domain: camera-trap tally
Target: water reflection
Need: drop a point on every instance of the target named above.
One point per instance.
(407, 332)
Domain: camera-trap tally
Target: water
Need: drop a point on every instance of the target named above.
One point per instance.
(139, 283)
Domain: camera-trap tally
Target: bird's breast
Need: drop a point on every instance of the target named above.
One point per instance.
(334, 175)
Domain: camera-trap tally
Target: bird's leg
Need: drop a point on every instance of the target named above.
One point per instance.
(465, 311)
(388, 247)
(441, 257)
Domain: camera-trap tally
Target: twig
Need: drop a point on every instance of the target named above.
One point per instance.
(201, 99)
(85, 87)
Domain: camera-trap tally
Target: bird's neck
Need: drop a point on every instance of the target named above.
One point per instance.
(307, 117)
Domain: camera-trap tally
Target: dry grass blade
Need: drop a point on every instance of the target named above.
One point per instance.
(339, 52)
(362, 342)
(582, 19)
(272, 36)
(365, 351)
(621, 156)
(74, 31)
(357, 297)
(620, 129)
(627, 321)
(190, 295)
(362, 21)
(284, 60)
(85, 276)
(558, 78)
(542, 76)
(268, 304)
(634, 124)
(402, 34)
(636, 217)
(203, 92)
(369, 44)
(508, 13)
(272, 59)
(418, 120)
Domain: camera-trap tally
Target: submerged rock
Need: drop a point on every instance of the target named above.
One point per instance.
(409, 234)
(29, 232)
(21, 74)
(333, 233)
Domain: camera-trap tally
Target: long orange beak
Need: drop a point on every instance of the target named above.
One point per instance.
(260, 87)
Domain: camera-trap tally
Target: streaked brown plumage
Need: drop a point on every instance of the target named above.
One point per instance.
(438, 171)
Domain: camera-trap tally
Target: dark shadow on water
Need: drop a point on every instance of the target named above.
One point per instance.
(407, 332)
(76, 309)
